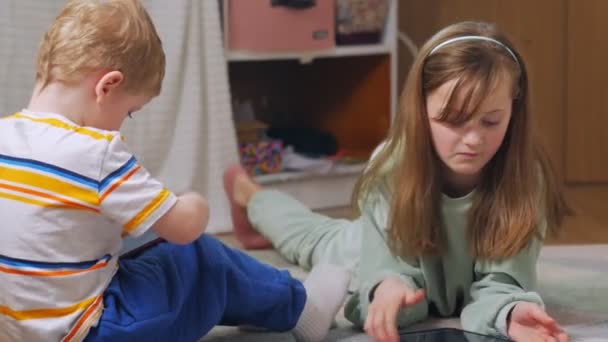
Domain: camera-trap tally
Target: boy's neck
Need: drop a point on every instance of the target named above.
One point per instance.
(69, 101)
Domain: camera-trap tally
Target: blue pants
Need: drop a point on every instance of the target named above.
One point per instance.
(178, 293)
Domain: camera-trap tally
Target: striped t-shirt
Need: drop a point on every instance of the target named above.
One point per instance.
(68, 194)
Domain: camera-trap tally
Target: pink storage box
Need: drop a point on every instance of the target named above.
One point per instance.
(258, 26)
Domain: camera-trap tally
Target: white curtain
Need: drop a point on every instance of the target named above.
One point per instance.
(186, 136)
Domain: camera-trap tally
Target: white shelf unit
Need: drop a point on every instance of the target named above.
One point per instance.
(309, 56)
(333, 189)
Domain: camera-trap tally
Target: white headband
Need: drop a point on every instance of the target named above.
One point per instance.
(487, 39)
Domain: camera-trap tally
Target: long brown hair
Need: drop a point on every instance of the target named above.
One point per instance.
(518, 190)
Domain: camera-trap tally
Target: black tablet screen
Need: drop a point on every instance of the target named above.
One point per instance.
(447, 335)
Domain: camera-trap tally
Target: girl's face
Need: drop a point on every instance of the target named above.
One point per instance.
(464, 149)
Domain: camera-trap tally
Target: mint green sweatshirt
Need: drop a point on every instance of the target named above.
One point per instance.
(481, 292)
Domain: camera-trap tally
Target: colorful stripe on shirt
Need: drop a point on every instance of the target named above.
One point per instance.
(119, 183)
(64, 125)
(58, 202)
(48, 269)
(150, 208)
(117, 173)
(49, 169)
(59, 183)
(44, 189)
(117, 177)
(42, 184)
(22, 315)
(88, 317)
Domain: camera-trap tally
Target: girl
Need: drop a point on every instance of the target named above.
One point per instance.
(453, 206)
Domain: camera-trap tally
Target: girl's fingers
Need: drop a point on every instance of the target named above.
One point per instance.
(390, 323)
(413, 297)
(561, 337)
(369, 322)
(381, 323)
(541, 316)
(378, 326)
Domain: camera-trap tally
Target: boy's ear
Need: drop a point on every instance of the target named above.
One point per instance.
(107, 83)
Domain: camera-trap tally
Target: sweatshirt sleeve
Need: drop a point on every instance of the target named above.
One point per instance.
(498, 286)
(377, 263)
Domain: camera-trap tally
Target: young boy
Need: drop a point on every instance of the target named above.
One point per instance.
(70, 188)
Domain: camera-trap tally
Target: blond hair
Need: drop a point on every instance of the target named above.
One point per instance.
(92, 35)
(511, 200)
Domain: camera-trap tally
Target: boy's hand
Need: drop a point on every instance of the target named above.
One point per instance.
(389, 297)
(530, 323)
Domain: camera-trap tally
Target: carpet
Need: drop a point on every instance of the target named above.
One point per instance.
(573, 281)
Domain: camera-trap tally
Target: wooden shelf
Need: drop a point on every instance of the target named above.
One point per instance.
(345, 87)
(315, 191)
(337, 171)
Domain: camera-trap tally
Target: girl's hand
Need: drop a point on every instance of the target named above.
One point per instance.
(529, 322)
(389, 297)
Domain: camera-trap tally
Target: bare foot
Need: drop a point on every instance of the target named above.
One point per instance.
(239, 188)
(243, 189)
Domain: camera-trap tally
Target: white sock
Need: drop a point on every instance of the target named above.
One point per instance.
(326, 288)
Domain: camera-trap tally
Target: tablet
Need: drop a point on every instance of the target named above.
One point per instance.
(447, 335)
(132, 246)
